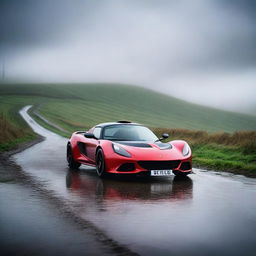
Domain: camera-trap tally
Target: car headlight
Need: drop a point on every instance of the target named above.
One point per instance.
(120, 151)
(186, 149)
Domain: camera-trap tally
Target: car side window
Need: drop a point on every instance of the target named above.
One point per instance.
(96, 132)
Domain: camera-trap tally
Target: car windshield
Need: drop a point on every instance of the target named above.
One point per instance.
(128, 133)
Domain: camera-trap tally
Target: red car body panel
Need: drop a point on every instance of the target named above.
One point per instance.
(114, 161)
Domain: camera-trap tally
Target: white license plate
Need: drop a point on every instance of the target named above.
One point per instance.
(161, 172)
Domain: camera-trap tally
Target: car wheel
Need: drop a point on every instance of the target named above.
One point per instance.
(180, 174)
(100, 163)
(71, 162)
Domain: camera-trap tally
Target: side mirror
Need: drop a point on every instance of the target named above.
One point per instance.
(89, 135)
(165, 136)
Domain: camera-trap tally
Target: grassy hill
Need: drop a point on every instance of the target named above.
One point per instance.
(78, 106)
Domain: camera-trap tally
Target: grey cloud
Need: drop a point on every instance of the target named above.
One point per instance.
(186, 48)
(24, 23)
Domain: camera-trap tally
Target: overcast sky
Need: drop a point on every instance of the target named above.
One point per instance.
(203, 51)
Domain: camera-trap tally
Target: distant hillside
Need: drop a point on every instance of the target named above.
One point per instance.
(76, 106)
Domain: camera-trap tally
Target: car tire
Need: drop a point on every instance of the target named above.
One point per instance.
(180, 174)
(71, 162)
(100, 164)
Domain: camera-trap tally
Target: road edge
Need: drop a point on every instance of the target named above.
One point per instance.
(15, 173)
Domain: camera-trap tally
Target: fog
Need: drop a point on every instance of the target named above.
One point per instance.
(203, 51)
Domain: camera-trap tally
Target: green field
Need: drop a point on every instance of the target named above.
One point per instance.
(80, 106)
(83, 105)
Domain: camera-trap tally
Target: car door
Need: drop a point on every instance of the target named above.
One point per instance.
(92, 144)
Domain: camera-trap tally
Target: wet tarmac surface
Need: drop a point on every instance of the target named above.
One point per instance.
(30, 226)
(205, 214)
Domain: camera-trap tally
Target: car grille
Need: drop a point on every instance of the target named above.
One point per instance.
(159, 165)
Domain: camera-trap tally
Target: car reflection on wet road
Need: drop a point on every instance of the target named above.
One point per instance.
(206, 214)
(129, 188)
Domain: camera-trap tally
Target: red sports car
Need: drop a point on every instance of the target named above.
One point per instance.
(128, 148)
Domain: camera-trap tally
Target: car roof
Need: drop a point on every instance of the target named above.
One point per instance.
(116, 123)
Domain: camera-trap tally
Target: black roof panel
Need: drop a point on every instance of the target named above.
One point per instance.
(115, 123)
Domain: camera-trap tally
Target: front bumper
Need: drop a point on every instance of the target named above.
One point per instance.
(124, 165)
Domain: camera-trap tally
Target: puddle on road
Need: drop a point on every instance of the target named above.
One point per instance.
(205, 214)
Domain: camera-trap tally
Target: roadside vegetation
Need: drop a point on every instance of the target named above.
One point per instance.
(11, 136)
(80, 106)
(233, 152)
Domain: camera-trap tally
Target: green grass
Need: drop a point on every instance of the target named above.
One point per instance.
(229, 158)
(234, 152)
(13, 135)
(75, 106)
(80, 106)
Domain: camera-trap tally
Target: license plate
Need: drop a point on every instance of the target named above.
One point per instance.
(161, 172)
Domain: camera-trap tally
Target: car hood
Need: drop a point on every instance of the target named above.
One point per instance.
(144, 150)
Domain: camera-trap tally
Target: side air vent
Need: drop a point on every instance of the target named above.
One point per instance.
(82, 148)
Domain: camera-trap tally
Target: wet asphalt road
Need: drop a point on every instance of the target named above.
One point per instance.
(206, 214)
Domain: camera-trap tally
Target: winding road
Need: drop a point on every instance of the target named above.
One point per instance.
(209, 213)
